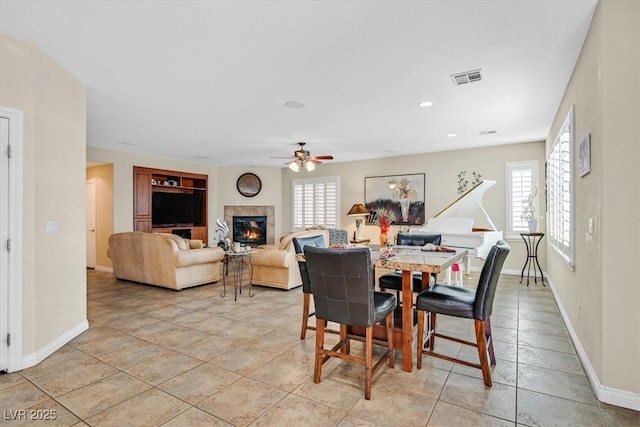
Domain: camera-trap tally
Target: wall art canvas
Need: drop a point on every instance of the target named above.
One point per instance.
(398, 197)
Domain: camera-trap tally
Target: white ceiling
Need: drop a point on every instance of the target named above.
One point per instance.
(207, 81)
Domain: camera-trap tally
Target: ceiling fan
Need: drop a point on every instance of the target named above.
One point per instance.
(303, 159)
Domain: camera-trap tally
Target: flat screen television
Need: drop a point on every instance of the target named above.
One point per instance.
(173, 209)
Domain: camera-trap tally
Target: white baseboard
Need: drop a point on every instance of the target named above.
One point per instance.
(33, 359)
(103, 269)
(612, 396)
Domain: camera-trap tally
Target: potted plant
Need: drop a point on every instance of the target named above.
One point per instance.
(529, 211)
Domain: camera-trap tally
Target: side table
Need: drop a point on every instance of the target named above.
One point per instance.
(237, 260)
(532, 241)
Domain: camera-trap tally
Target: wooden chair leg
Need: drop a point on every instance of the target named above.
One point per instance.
(419, 339)
(432, 331)
(482, 352)
(317, 371)
(346, 348)
(487, 333)
(306, 299)
(392, 355)
(368, 362)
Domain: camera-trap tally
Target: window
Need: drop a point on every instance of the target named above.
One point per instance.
(521, 179)
(315, 202)
(560, 190)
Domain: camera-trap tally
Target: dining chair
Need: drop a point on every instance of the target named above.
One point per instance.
(343, 292)
(299, 243)
(476, 304)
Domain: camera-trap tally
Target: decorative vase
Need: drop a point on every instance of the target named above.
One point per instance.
(384, 238)
(404, 209)
(533, 226)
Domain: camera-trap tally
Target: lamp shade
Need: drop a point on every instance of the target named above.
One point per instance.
(358, 210)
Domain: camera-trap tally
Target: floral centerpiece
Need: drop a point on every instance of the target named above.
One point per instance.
(529, 210)
(383, 219)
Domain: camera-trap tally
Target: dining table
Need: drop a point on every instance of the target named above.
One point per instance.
(409, 259)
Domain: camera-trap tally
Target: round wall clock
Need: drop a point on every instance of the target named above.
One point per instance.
(249, 184)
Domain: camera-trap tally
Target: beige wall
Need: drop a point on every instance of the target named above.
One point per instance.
(441, 170)
(54, 107)
(605, 92)
(103, 175)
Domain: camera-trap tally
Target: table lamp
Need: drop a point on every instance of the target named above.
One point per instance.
(359, 211)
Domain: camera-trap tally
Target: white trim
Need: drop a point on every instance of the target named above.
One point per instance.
(613, 396)
(33, 359)
(15, 234)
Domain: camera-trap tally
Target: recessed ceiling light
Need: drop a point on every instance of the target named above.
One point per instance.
(487, 132)
(294, 104)
(425, 104)
(452, 135)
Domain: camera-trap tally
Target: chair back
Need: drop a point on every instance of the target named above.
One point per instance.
(298, 244)
(488, 282)
(417, 239)
(342, 284)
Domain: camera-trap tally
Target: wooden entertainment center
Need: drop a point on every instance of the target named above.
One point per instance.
(147, 182)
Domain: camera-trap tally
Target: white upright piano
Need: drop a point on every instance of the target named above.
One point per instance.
(455, 224)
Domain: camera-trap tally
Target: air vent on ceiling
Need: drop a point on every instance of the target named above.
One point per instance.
(467, 77)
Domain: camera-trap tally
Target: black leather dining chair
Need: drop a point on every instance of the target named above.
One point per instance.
(299, 243)
(476, 304)
(343, 292)
(393, 280)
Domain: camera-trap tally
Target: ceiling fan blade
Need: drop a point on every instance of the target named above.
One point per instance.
(278, 157)
(322, 157)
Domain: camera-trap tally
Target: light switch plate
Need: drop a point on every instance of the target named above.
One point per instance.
(52, 227)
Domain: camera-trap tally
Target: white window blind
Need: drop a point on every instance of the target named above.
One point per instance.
(560, 189)
(315, 202)
(521, 177)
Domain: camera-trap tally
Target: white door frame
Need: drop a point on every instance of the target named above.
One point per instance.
(14, 270)
(92, 187)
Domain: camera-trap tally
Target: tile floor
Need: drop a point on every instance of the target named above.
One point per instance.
(156, 357)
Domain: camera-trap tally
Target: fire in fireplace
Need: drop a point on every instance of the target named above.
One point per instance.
(250, 230)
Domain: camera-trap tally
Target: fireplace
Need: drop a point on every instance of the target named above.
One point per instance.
(250, 230)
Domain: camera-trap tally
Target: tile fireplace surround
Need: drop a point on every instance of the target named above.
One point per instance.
(268, 211)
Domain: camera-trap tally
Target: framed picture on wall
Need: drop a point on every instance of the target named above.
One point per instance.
(399, 197)
(584, 155)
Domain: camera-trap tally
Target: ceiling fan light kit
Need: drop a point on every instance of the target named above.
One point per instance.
(303, 159)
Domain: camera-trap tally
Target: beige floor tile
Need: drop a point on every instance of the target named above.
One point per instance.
(468, 392)
(124, 320)
(448, 415)
(351, 421)
(198, 383)
(503, 372)
(550, 359)
(98, 396)
(538, 409)
(48, 413)
(109, 344)
(167, 365)
(209, 348)
(427, 381)
(555, 383)
(547, 342)
(9, 380)
(334, 394)
(150, 408)
(243, 360)
(620, 417)
(388, 407)
(61, 381)
(296, 411)
(125, 358)
(242, 402)
(283, 372)
(196, 417)
(168, 334)
(22, 395)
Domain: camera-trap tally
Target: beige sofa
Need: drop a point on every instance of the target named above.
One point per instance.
(163, 259)
(276, 265)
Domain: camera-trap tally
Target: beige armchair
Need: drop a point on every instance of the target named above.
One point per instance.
(163, 259)
(276, 265)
